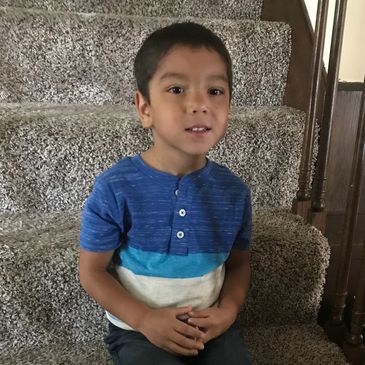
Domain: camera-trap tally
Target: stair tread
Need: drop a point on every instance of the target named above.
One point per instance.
(75, 143)
(53, 109)
(203, 8)
(63, 57)
(287, 345)
(300, 254)
(27, 226)
(298, 344)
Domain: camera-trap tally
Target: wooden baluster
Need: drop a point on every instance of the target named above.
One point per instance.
(317, 213)
(301, 204)
(335, 327)
(353, 346)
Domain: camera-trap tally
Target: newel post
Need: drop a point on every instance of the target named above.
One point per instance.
(353, 345)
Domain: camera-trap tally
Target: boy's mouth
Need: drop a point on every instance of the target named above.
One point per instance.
(198, 129)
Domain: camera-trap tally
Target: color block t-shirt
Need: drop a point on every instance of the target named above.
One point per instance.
(172, 234)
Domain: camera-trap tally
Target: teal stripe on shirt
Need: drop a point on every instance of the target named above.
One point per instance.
(166, 265)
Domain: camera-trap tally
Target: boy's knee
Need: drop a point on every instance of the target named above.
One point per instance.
(228, 349)
(146, 354)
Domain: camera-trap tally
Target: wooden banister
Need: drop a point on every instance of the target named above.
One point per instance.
(317, 213)
(353, 346)
(302, 203)
(335, 328)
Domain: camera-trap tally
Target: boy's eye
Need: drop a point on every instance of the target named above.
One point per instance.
(215, 92)
(175, 90)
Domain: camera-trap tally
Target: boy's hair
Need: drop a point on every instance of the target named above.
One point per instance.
(158, 44)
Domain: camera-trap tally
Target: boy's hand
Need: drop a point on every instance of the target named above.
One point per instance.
(213, 321)
(165, 330)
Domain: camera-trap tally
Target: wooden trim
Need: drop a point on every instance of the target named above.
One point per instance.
(350, 86)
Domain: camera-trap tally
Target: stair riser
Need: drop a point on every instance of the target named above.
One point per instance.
(222, 9)
(49, 163)
(73, 58)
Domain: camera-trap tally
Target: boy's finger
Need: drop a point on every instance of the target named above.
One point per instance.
(187, 342)
(188, 331)
(199, 314)
(199, 322)
(177, 349)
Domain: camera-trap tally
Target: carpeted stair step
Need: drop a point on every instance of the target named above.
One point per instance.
(43, 302)
(275, 345)
(88, 58)
(289, 345)
(51, 153)
(222, 9)
(48, 319)
(58, 353)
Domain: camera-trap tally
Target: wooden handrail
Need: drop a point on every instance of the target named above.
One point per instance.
(317, 215)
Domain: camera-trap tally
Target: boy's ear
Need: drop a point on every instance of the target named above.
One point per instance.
(143, 109)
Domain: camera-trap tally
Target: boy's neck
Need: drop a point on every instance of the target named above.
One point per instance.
(174, 165)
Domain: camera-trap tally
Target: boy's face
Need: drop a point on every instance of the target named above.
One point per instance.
(189, 102)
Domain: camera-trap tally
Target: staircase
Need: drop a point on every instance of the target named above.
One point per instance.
(67, 114)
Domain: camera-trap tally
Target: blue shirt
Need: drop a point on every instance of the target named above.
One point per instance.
(172, 234)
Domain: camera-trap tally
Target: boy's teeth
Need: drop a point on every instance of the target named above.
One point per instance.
(198, 129)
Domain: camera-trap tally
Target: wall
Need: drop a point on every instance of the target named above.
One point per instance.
(353, 51)
(352, 67)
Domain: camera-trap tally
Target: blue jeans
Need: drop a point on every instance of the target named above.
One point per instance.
(132, 348)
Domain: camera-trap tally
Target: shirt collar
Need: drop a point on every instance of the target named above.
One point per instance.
(165, 177)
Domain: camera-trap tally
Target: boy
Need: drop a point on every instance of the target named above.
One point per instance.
(177, 226)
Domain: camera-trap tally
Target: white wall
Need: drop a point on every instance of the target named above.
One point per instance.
(352, 66)
(353, 51)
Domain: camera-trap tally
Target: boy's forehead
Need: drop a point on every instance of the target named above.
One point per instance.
(174, 64)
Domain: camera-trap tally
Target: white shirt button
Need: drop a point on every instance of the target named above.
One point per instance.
(176, 192)
(180, 234)
(182, 212)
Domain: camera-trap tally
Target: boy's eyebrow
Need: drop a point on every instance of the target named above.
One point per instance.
(183, 77)
(173, 75)
(218, 78)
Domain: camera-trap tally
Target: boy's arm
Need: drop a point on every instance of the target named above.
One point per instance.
(236, 282)
(217, 320)
(160, 326)
(106, 290)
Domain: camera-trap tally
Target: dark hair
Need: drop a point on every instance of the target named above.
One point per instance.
(156, 46)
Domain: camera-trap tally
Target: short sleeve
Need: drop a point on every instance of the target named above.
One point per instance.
(101, 229)
(244, 236)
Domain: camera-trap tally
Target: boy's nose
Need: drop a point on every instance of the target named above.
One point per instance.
(197, 104)
(202, 109)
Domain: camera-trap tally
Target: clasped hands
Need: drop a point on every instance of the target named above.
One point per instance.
(163, 328)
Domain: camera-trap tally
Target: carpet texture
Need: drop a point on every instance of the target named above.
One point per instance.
(43, 300)
(223, 9)
(274, 345)
(88, 58)
(51, 153)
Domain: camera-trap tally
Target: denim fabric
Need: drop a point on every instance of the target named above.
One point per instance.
(132, 348)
